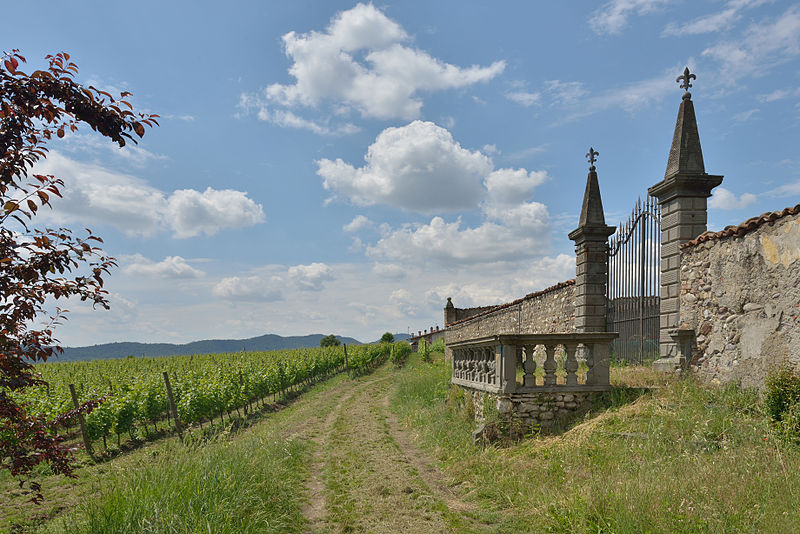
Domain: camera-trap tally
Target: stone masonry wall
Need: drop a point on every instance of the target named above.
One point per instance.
(544, 312)
(542, 409)
(741, 295)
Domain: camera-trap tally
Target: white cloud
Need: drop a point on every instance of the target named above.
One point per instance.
(96, 195)
(447, 243)
(96, 144)
(524, 98)
(612, 17)
(490, 149)
(404, 301)
(170, 267)
(745, 116)
(359, 222)
(190, 213)
(723, 199)
(249, 289)
(289, 119)
(759, 48)
(310, 277)
(720, 21)
(790, 189)
(389, 271)
(359, 63)
(508, 187)
(779, 94)
(417, 167)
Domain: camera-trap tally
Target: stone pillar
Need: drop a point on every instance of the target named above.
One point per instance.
(591, 258)
(449, 313)
(683, 195)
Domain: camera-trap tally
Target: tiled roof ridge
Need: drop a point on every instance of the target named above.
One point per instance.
(529, 296)
(751, 224)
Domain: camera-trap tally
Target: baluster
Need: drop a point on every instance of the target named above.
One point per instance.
(529, 365)
(589, 351)
(491, 376)
(485, 365)
(550, 366)
(571, 364)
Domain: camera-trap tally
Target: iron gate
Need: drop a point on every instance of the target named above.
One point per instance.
(634, 273)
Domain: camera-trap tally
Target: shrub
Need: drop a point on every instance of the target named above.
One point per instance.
(782, 401)
(329, 341)
(438, 345)
(400, 353)
(387, 337)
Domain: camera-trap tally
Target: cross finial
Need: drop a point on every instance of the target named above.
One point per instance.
(592, 157)
(686, 82)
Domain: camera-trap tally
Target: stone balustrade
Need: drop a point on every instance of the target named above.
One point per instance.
(490, 363)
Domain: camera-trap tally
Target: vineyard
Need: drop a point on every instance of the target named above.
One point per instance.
(204, 388)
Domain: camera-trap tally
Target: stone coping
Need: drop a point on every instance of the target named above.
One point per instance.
(529, 296)
(750, 225)
(538, 339)
(521, 391)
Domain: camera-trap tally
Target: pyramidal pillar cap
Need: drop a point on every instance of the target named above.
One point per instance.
(592, 222)
(686, 170)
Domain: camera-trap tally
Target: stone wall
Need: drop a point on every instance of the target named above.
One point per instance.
(541, 409)
(740, 293)
(544, 312)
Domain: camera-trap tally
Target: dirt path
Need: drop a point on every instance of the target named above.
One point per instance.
(368, 476)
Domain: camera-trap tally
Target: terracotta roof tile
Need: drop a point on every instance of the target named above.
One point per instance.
(746, 227)
(529, 296)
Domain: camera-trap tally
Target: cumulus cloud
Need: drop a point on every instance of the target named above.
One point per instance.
(310, 277)
(448, 243)
(722, 199)
(96, 195)
(417, 167)
(389, 271)
(249, 289)
(359, 222)
(190, 213)
(360, 63)
(612, 17)
(170, 267)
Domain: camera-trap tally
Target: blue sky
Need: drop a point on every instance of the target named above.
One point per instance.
(344, 167)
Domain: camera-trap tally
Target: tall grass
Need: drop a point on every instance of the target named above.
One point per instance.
(251, 484)
(683, 458)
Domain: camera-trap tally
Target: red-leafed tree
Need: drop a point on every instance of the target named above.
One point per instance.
(50, 263)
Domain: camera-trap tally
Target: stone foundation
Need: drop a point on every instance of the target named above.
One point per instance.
(542, 410)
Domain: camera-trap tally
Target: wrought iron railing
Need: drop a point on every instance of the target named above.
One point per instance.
(634, 271)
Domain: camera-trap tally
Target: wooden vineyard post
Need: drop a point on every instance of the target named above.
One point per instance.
(172, 407)
(81, 421)
(241, 385)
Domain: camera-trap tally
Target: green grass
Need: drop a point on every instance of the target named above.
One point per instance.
(682, 458)
(252, 484)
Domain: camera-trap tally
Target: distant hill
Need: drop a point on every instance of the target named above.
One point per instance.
(209, 346)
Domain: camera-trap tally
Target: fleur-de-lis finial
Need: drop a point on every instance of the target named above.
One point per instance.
(686, 82)
(592, 157)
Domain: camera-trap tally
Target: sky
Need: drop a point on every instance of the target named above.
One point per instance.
(342, 167)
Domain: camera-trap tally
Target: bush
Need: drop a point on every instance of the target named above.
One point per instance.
(400, 353)
(437, 346)
(387, 337)
(424, 350)
(782, 401)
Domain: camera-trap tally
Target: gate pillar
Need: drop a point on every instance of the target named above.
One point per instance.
(682, 195)
(591, 255)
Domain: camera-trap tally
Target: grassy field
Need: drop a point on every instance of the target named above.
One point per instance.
(392, 451)
(681, 458)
